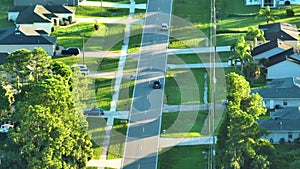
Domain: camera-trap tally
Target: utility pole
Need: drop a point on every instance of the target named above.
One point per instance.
(82, 35)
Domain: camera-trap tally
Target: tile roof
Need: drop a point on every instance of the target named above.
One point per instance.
(283, 31)
(14, 36)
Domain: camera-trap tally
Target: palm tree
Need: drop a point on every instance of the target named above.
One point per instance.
(255, 34)
(267, 13)
(242, 50)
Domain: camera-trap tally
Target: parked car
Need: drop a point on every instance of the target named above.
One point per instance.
(5, 128)
(70, 51)
(164, 27)
(156, 84)
(94, 111)
(234, 62)
(82, 68)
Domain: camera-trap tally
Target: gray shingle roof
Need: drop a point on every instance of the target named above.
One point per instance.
(290, 54)
(3, 57)
(13, 36)
(289, 92)
(269, 46)
(286, 113)
(280, 125)
(283, 31)
(33, 14)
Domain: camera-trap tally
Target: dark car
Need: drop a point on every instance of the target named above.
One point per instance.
(70, 51)
(156, 84)
(94, 112)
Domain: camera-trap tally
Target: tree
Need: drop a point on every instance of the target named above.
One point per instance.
(251, 71)
(267, 13)
(239, 141)
(6, 98)
(50, 134)
(242, 50)
(255, 34)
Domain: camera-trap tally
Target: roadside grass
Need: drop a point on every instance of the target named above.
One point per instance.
(197, 58)
(117, 142)
(96, 131)
(184, 86)
(183, 124)
(122, 1)
(108, 64)
(5, 4)
(98, 11)
(103, 91)
(180, 157)
(135, 38)
(104, 39)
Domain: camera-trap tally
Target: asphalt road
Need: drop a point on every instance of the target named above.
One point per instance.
(142, 141)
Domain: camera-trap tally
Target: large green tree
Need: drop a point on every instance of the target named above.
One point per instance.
(239, 142)
(50, 134)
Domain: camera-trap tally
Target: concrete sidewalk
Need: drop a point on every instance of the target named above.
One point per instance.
(170, 142)
(198, 50)
(198, 65)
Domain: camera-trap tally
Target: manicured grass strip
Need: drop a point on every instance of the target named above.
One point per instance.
(117, 142)
(180, 157)
(103, 89)
(98, 11)
(108, 65)
(97, 131)
(185, 86)
(183, 124)
(135, 38)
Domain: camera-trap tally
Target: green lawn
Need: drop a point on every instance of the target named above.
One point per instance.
(5, 4)
(183, 124)
(197, 58)
(182, 157)
(98, 11)
(122, 1)
(191, 82)
(118, 136)
(135, 38)
(105, 38)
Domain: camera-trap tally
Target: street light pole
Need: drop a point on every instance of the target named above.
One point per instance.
(82, 35)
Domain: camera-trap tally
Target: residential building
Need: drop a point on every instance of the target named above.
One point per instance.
(272, 3)
(15, 38)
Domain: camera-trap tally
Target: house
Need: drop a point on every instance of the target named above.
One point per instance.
(272, 3)
(283, 31)
(14, 38)
(284, 64)
(46, 2)
(269, 49)
(283, 92)
(3, 56)
(284, 125)
(40, 16)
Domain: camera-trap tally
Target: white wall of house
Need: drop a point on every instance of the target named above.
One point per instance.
(12, 16)
(294, 43)
(253, 2)
(11, 48)
(277, 135)
(284, 102)
(61, 16)
(283, 69)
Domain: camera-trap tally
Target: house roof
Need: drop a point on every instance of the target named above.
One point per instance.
(280, 125)
(3, 56)
(18, 36)
(60, 9)
(283, 31)
(290, 55)
(285, 91)
(33, 14)
(269, 46)
(286, 113)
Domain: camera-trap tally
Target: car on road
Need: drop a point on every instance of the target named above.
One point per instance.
(82, 68)
(71, 51)
(164, 27)
(156, 84)
(93, 111)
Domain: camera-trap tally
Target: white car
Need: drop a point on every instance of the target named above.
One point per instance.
(164, 27)
(82, 68)
(5, 128)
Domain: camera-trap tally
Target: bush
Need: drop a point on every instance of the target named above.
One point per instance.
(290, 12)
